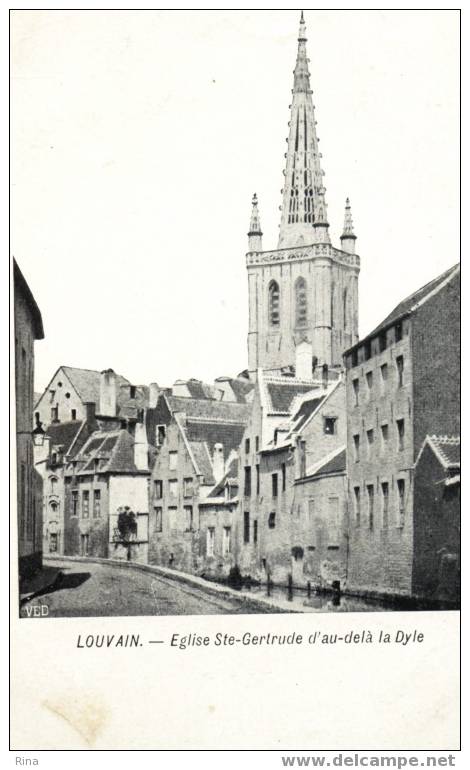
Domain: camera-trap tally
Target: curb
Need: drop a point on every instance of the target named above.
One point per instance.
(215, 589)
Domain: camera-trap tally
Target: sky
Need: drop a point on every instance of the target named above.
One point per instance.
(139, 137)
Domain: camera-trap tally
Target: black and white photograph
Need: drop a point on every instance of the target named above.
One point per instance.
(237, 347)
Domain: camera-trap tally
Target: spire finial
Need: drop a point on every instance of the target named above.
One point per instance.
(302, 31)
(348, 229)
(255, 235)
(348, 239)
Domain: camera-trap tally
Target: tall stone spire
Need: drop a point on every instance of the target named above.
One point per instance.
(304, 211)
(255, 235)
(348, 239)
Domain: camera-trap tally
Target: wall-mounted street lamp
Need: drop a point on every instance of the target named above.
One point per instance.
(38, 433)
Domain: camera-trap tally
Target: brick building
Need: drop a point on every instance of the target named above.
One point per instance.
(402, 383)
(436, 520)
(196, 441)
(291, 516)
(28, 328)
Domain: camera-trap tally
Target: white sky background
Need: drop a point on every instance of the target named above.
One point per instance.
(138, 139)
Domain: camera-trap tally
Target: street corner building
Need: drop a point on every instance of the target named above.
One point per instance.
(28, 328)
(106, 474)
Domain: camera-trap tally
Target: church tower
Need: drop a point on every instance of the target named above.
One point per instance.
(306, 290)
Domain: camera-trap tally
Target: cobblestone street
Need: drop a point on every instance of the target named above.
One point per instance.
(92, 590)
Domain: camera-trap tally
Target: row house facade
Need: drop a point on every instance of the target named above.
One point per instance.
(196, 443)
(28, 328)
(402, 382)
(291, 515)
(62, 440)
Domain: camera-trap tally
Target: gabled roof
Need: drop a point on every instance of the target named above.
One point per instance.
(198, 389)
(282, 391)
(87, 382)
(412, 303)
(213, 411)
(332, 463)
(241, 387)
(446, 449)
(63, 433)
(211, 433)
(107, 452)
(305, 411)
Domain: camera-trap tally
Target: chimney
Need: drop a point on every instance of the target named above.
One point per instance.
(324, 375)
(218, 465)
(141, 457)
(303, 360)
(108, 393)
(90, 411)
(154, 392)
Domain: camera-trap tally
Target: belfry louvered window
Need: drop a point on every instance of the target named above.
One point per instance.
(274, 310)
(301, 302)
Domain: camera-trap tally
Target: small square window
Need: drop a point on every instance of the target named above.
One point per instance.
(247, 446)
(158, 518)
(272, 520)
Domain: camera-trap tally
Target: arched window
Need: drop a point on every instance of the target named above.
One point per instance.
(53, 482)
(301, 302)
(274, 311)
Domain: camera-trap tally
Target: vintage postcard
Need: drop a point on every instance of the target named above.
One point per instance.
(236, 367)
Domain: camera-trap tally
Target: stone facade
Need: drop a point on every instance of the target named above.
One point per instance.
(109, 475)
(294, 429)
(28, 328)
(305, 290)
(391, 376)
(196, 442)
